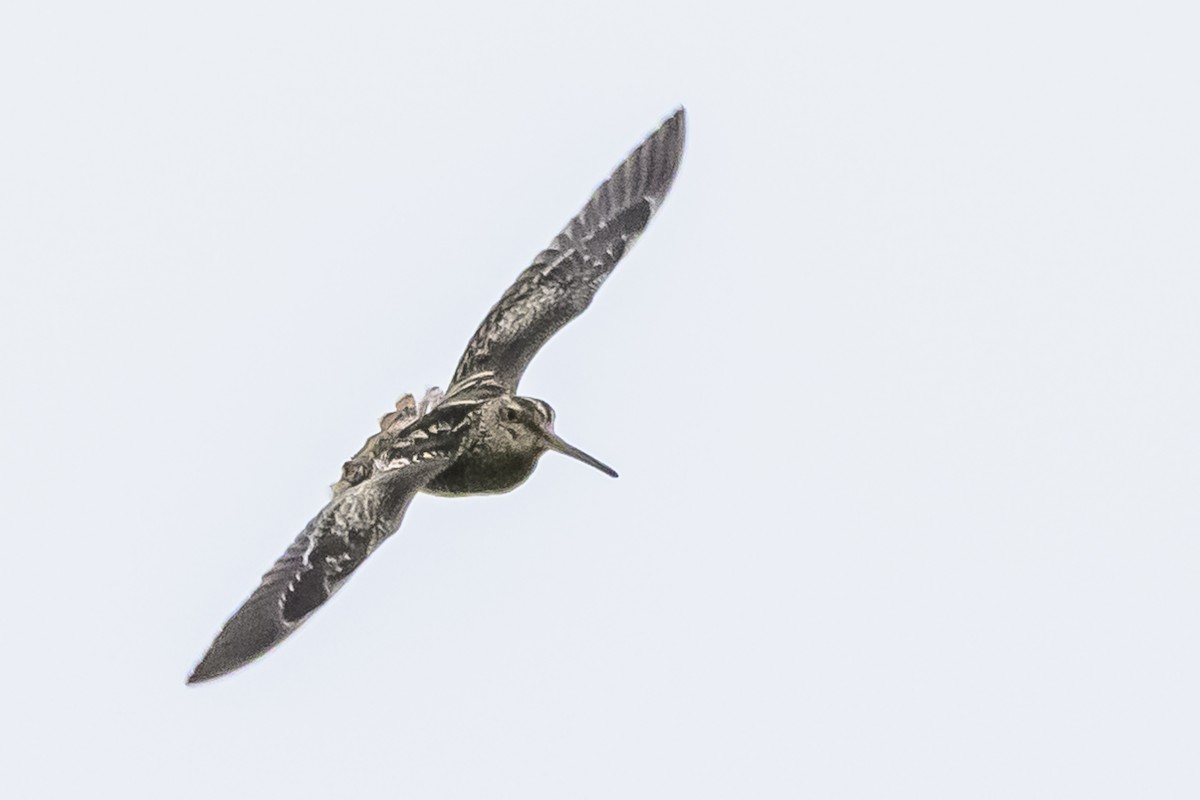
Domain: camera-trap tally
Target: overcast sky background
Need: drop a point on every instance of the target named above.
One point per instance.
(902, 384)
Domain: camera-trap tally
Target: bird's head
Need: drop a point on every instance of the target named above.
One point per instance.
(525, 416)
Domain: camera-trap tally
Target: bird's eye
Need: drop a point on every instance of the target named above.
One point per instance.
(508, 414)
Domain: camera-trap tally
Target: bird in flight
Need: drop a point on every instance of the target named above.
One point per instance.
(480, 437)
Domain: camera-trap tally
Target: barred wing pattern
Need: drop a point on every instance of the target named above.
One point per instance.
(316, 565)
(564, 278)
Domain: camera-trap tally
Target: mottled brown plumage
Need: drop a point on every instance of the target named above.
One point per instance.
(480, 437)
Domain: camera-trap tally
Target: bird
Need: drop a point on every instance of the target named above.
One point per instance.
(479, 436)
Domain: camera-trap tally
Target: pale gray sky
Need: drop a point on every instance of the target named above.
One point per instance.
(901, 384)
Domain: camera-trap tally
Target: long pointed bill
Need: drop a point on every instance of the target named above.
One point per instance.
(557, 444)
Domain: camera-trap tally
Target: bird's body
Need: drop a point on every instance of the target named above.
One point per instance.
(489, 446)
(495, 456)
(481, 437)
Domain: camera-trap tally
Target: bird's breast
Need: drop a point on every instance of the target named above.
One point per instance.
(484, 472)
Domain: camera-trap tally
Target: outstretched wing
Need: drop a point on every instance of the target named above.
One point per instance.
(323, 556)
(563, 278)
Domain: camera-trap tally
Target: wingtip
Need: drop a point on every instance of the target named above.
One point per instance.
(677, 120)
(671, 137)
(246, 636)
(204, 671)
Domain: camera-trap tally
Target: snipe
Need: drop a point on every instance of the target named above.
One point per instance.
(478, 438)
